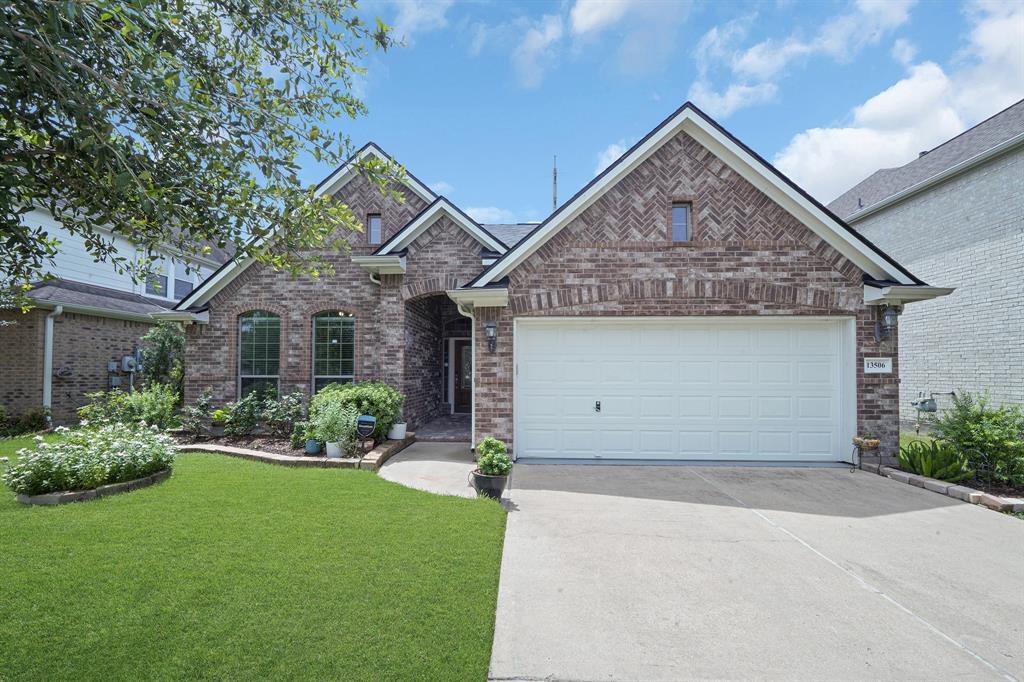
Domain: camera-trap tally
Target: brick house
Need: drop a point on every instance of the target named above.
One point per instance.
(956, 212)
(688, 303)
(84, 321)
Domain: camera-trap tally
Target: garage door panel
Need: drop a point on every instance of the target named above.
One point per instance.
(759, 388)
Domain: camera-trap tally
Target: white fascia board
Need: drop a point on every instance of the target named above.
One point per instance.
(410, 232)
(182, 316)
(487, 261)
(93, 311)
(340, 177)
(900, 295)
(963, 166)
(381, 264)
(213, 284)
(740, 161)
(493, 297)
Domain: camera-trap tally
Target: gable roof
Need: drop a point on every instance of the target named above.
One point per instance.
(998, 132)
(743, 160)
(510, 233)
(341, 175)
(415, 227)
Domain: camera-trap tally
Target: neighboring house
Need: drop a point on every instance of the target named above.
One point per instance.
(956, 214)
(84, 321)
(688, 303)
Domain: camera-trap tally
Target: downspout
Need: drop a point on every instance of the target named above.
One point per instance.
(375, 278)
(472, 386)
(48, 360)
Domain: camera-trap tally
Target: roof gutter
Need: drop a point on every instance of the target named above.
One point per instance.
(93, 311)
(963, 166)
(899, 294)
(486, 297)
(185, 316)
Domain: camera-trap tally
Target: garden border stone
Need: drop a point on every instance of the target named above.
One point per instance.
(959, 492)
(372, 460)
(66, 496)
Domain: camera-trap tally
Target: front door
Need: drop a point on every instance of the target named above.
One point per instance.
(463, 375)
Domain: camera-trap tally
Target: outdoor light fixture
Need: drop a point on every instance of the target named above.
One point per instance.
(491, 329)
(887, 322)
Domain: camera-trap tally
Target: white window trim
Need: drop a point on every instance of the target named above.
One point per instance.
(313, 376)
(238, 366)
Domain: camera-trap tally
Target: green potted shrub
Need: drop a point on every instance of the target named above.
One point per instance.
(492, 468)
(397, 430)
(333, 425)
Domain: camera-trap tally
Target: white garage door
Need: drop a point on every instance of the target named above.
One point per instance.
(761, 388)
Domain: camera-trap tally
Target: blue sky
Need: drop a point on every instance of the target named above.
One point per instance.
(484, 93)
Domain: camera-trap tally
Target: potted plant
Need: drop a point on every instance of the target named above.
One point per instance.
(492, 468)
(331, 427)
(867, 442)
(218, 418)
(397, 430)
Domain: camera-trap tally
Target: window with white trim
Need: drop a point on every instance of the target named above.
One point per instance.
(183, 280)
(259, 352)
(334, 349)
(373, 231)
(681, 222)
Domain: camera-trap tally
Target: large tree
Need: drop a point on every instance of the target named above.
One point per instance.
(176, 123)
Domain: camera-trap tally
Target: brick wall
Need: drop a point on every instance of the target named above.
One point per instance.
(21, 367)
(968, 233)
(82, 347)
(422, 381)
(748, 257)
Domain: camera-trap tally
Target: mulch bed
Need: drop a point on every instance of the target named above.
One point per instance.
(995, 488)
(278, 446)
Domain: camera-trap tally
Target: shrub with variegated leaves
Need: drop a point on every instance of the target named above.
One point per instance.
(88, 457)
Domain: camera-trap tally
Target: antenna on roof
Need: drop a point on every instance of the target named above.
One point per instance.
(554, 184)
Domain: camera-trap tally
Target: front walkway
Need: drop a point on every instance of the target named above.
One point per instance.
(683, 573)
(448, 428)
(441, 468)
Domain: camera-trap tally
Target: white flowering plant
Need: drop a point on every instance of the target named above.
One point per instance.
(88, 457)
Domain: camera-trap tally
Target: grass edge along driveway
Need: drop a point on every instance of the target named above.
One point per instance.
(238, 569)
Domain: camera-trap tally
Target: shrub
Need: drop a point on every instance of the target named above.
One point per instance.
(241, 418)
(992, 438)
(936, 459)
(366, 397)
(335, 422)
(163, 356)
(90, 456)
(301, 432)
(280, 415)
(154, 406)
(492, 457)
(193, 417)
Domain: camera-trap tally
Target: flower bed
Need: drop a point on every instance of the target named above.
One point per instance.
(87, 458)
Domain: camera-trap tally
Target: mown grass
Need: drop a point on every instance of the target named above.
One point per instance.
(242, 570)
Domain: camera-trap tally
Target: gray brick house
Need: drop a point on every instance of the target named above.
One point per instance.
(688, 303)
(956, 214)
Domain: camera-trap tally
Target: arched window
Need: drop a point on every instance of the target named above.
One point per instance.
(334, 349)
(259, 352)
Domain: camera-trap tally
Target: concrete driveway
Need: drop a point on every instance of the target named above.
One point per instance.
(679, 573)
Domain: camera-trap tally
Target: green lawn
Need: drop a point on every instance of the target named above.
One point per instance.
(908, 437)
(242, 570)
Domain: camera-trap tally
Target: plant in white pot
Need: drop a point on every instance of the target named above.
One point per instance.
(397, 430)
(334, 424)
(492, 468)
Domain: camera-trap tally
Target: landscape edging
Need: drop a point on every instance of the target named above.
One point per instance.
(956, 491)
(67, 496)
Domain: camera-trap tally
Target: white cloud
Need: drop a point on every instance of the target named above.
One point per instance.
(754, 70)
(917, 113)
(594, 15)
(419, 16)
(441, 187)
(904, 51)
(535, 52)
(735, 97)
(491, 214)
(609, 154)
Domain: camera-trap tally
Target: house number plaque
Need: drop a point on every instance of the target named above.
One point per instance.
(878, 365)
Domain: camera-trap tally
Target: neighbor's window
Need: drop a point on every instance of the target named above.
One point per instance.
(182, 281)
(156, 285)
(681, 222)
(373, 227)
(334, 349)
(259, 351)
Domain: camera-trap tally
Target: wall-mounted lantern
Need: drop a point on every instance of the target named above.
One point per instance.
(491, 330)
(888, 317)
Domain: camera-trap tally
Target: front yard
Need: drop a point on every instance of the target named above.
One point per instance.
(241, 570)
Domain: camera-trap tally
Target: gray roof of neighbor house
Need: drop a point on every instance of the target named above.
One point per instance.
(887, 182)
(509, 233)
(65, 292)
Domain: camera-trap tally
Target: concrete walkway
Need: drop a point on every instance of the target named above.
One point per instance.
(683, 573)
(441, 468)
